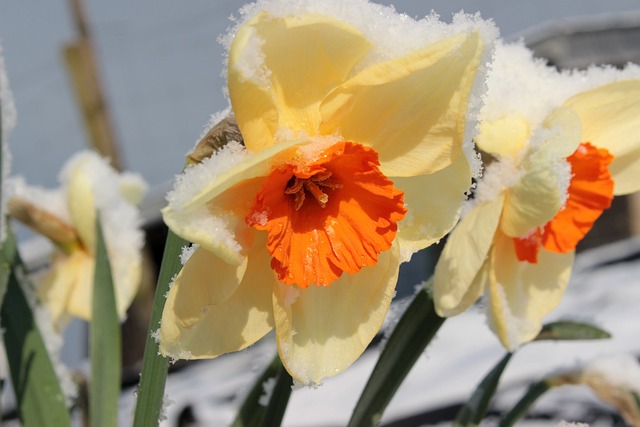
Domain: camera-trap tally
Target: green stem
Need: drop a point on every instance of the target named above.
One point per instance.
(533, 393)
(475, 409)
(254, 413)
(155, 366)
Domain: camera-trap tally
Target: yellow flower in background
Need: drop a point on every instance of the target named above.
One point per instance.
(559, 160)
(353, 162)
(66, 216)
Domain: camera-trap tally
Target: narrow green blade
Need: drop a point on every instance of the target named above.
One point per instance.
(567, 330)
(255, 412)
(533, 393)
(105, 344)
(40, 401)
(415, 330)
(475, 409)
(154, 366)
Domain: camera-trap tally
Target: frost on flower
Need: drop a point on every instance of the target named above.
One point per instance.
(67, 216)
(561, 145)
(352, 116)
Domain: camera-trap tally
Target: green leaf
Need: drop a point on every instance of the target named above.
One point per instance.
(105, 344)
(154, 366)
(567, 330)
(533, 393)
(415, 330)
(253, 412)
(472, 413)
(40, 401)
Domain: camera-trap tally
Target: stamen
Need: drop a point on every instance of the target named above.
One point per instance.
(313, 188)
(297, 186)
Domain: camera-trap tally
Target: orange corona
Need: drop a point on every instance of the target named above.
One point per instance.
(590, 192)
(326, 215)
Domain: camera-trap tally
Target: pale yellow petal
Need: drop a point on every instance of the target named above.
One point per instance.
(236, 323)
(625, 171)
(127, 274)
(321, 331)
(411, 109)
(81, 204)
(504, 136)
(303, 58)
(210, 281)
(80, 298)
(463, 257)
(541, 191)
(59, 282)
(433, 202)
(521, 294)
(214, 217)
(610, 116)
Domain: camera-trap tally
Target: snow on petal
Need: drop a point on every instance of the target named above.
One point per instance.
(541, 191)
(522, 294)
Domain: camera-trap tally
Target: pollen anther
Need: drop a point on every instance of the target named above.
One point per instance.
(314, 185)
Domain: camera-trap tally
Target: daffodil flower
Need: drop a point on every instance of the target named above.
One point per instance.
(67, 216)
(353, 161)
(563, 145)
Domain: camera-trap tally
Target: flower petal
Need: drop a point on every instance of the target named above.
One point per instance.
(321, 331)
(463, 257)
(428, 219)
(81, 203)
(209, 208)
(205, 288)
(191, 329)
(610, 116)
(521, 294)
(505, 136)
(81, 267)
(541, 191)
(625, 171)
(67, 276)
(281, 68)
(412, 110)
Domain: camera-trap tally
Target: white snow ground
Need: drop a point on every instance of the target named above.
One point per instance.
(605, 290)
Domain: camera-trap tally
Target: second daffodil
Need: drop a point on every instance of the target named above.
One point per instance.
(563, 145)
(353, 119)
(67, 216)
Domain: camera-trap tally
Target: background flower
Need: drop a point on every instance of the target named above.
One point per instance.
(67, 216)
(551, 136)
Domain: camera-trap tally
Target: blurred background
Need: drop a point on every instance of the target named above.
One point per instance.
(155, 79)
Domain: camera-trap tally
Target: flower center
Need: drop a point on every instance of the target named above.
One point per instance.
(327, 210)
(315, 185)
(590, 192)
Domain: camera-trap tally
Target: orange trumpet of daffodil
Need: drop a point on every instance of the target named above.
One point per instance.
(353, 161)
(560, 157)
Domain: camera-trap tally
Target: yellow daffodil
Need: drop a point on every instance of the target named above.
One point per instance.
(564, 144)
(67, 216)
(353, 161)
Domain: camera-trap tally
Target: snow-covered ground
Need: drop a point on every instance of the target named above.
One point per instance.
(605, 290)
